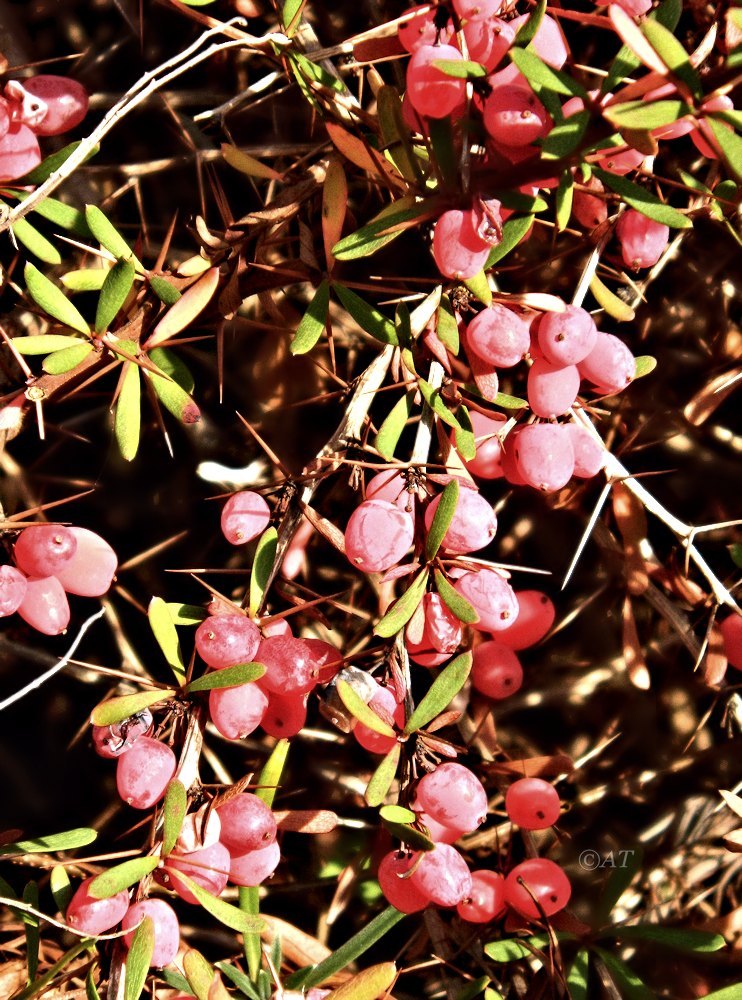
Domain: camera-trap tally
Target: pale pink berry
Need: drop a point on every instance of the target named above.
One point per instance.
(498, 336)
(491, 596)
(432, 92)
(488, 41)
(453, 796)
(472, 527)
(200, 829)
(289, 665)
(552, 389)
(45, 606)
(443, 876)
(238, 711)
(391, 486)
(545, 456)
(279, 626)
(458, 249)
(377, 536)
(731, 633)
(143, 773)
(539, 878)
(397, 885)
(532, 804)
(247, 823)
(469, 10)
(510, 469)
(254, 867)
(285, 716)
(226, 640)
(487, 899)
(496, 671)
(549, 42)
(566, 338)
(43, 549)
(514, 116)
(535, 617)
(423, 30)
(90, 571)
(244, 516)
(487, 464)
(13, 586)
(19, 152)
(4, 117)
(590, 455)
(166, 928)
(66, 102)
(619, 162)
(95, 916)
(111, 741)
(635, 8)
(208, 868)
(439, 833)
(610, 366)
(643, 241)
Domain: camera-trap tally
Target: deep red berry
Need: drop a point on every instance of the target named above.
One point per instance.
(539, 878)
(532, 804)
(487, 899)
(496, 670)
(396, 884)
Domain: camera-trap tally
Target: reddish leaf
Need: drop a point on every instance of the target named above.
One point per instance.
(186, 309)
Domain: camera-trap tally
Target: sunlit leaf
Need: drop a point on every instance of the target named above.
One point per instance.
(35, 242)
(577, 979)
(370, 984)
(390, 223)
(479, 287)
(247, 164)
(312, 324)
(446, 326)
(513, 949)
(117, 709)
(186, 614)
(643, 365)
(116, 287)
(361, 711)
(527, 31)
(53, 300)
(164, 631)
(679, 938)
(234, 676)
(222, 911)
(466, 444)
(108, 236)
(186, 310)
(513, 231)
(45, 343)
(88, 279)
(403, 609)
(121, 876)
(269, 778)
(67, 359)
(564, 198)
(128, 418)
(164, 290)
(393, 425)
(730, 145)
(50, 164)
(643, 201)
(544, 77)
(462, 69)
(265, 557)
(454, 601)
(565, 137)
(442, 519)
(645, 115)
(174, 809)
(673, 54)
(382, 778)
(67, 841)
(174, 393)
(367, 317)
(139, 958)
(61, 887)
(441, 693)
(613, 305)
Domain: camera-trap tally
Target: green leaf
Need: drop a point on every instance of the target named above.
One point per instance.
(35, 242)
(353, 948)
(174, 808)
(645, 115)
(367, 317)
(128, 418)
(454, 601)
(200, 973)
(408, 834)
(265, 557)
(313, 321)
(613, 305)
(442, 519)
(577, 979)
(108, 236)
(726, 993)
(513, 949)
(678, 938)
(169, 362)
(249, 900)
(667, 14)
(67, 841)
(166, 635)
(61, 887)
(462, 69)
(52, 300)
(527, 31)
(473, 989)
(395, 137)
(643, 201)
(45, 343)
(479, 287)
(403, 609)
(382, 778)
(672, 54)
(393, 425)
(239, 979)
(464, 435)
(446, 326)
(397, 814)
(564, 197)
(50, 165)
(91, 990)
(444, 143)
(186, 614)
(121, 876)
(234, 676)
(441, 693)
(291, 15)
(31, 922)
(117, 709)
(735, 553)
(629, 985)
(433, 398)
(63, 215)
(270, 777)
(730, 145)
(390, 223)
(644, 364)
(225, 913)
(66, 360)
(139, 958)
(361, 711)
(509, 402)
(116, 287)
(174, 392)
(164, 290)
(39, 985)
(543, 77)
(88, 279)
(513, 231)
(565, 137)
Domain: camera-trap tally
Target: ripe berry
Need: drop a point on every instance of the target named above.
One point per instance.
(385, 705)
(549, 42)
(491, 596)
(111, 741)
(544, 456)
(66, 102)
(43, 549)
(552, 389)
(247, 823)
(488, 41)
(13, 586)
(392, 487)
(441, 633)
(289, 665)
(567, 337)
(236, 712)
(487, 899)
(472, 527)
(423, 29)
(44, 606)
(439, 833)
(610, 365)
(19, 152)
(285, 716)
(541, 878)
(496, 670)
(589, 209)
(514, 116)
(143, 773)
(95, 916)
(326, 659)
(166, 927)
(731, 633)
(453, 796)
(208, 868)
(254, 867)
(499, 336)
(443, 876)
(589, 453)
(535, 618)
(91, 569)
(377, 536)
(643, 241)
(487, 463)
(244, 516)
(226, 640)
(458, 249)
(532, 804)
(481, 10)
(400, 891)
(432, 93)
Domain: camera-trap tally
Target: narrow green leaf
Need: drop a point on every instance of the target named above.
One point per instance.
(312, 324)
(53, 300)
(39, 985)
(443, 141)
(61, 887)
(667, 14)
(442, 519)
(564, 198)
(735, 552)
(726, 993)
(479, 287)
(66, 360)
(473, 989)
(164, 631)
(433, 398)
(50, 165)
(121, 876)
(44, 343)
(87, 279)
(139, 958)
(234, 676)
(119, 282)
(249, 899)
(367, 317)
(630, 986)
(543, 77)
(513, 231)
(108, 236)
(393, 425)
(174, 808)
(577, 980)
(164, 290)
(645, 115)
(199, 973)
(128, 417)
(361, 711)
(186, 614)
(643, 201)
(644, 364)
(403, 609)
(672, 54)
(527, 31)
(35, 242)
(91, 990)
(169, 362)
(441, 693)
(65, 216)
(239, 979)
(679, 938)
(31, 922)
(461, 69)
(513, 949)
(509, 402)
(395, 136)
(390, 223)
(117, 709)
(291, 15)
(225, 913)
(262, 566)
(565, 137)
(382, 778)
(466, 442)
(67, 841)
(270, 777)
(408, 834)
(730, 145)
(174, 393)
(454, 601)
(446, 326)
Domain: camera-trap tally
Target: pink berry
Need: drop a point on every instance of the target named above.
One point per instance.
(442, 876)
(111, 741)
(397, 888)
(469, 10)
(66, 102)
(326, 659)
(488, 461)
(13, 586)
(422, 29)
(487, 899)
(619, 162)
(254, 867)
(488, 41)
(226, 640)
(208, 868)
(441, 633)
(166, 927)
(545, 456)
(496, 670)
(43, 549)
(532, 804)
(731, 633)
(244, 516)
(385, 705)
(247, 823)
(610, 365)
(535, 618)
(589, 453)
(472, 527)
(143, 773)
(236, 712)
(432, 93)
(377, 536)
(566, 338)
(458, 249)
(510, 469)
(91, 569)
(44, 606)
(542, 879)
(4, 117)
(589, 209)
(19, 152)
(289, 665)
(285, 716)
(514, 116)
(491, 596)
(549, 42)
(391, 486)
(552, 389)
(635, 8)
(95, 916)
(439, 833)
(499, 336)
(643, 241)
(453, 796)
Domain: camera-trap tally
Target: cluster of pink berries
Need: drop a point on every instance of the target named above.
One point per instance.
(40, 106)
(52, 561)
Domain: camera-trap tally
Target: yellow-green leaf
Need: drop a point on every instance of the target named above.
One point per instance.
(121, 876)
(234, 676)
(367, 317)
(613, 305)
(35, 242)
(441, 693)
(370, 984)
(403, 609)
(53, 300)
(382, 778)
(393, 425)
(67, 359)
(247, 164)
(270, 777)
(117, 709)
(174, 809)
(164, 631)
(312, 324)
(139, 958)
(108, 236)
(442, 519)
(116, 287)
(361, 711)
(128, 418)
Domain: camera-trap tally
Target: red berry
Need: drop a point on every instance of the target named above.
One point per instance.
(143, 773)
(254, 867)
(469, 10)
(44, 549)
(166, 927)
(731, 633)
(458, 249)
(496, 670)
(453, 796)
(44, 605)
(327, 660)
(532, 804)
(432, 93)
(400, 891)
(285, 716)
(289, 665)
(589, 453)
(244, 516)
(247, 823)
(535, 618)
(443, 876)
(13, 586)
(549, 42)
(95, 916)
(487, 41)
(487, 463)
(19, 152)
(589, 209)
(385, 705)
(487, 899)
(226, 640)
(238, 711)
(441, 633)
(111, 741)
(422, 30)
(643, 241)
(66, 102)
(514, 116)
(539, 878)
